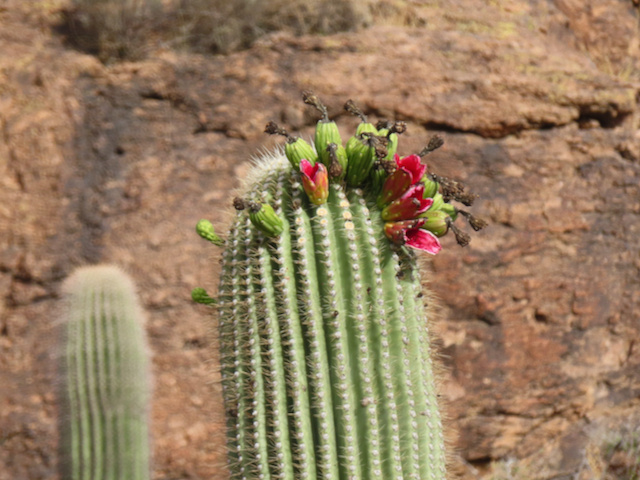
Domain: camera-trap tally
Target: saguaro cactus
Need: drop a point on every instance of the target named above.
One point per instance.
(325, 351)
(105, 382)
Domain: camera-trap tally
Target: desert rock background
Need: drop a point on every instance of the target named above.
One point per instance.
(539, 318)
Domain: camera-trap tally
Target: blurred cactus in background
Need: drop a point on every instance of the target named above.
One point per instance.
(105, 383)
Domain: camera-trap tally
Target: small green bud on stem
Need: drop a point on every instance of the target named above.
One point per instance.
(204, 228)
(200, 295)
(296, 148)
(265, 219)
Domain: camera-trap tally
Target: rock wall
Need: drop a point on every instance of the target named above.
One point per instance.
(539, 317)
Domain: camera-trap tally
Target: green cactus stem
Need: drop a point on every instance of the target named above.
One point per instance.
(326, 362)
(105, 383)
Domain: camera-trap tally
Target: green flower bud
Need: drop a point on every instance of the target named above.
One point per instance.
(379, 174)
(438, 202)
(430, 187)
(327, 133)
(297, 149)
(337, 161)
(204, 228)
(366, 127)
(450, 210)
(392, 147)
(265, 219)
(200, 295)
(361, 157)
(436, 222)
(391, 131)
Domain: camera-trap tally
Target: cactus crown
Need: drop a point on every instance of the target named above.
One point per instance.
(324, 346)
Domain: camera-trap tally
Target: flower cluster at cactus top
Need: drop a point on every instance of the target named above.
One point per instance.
(415, 205)
(403, 201)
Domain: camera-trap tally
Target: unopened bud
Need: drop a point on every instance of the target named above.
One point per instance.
(436, 222)
(450, 210)
(265, 219)
(204, 228)
(438, 202)
(200, 295)
(337, 158)
(430, 187)
(326, 134)
(299, 149)
(315, 181)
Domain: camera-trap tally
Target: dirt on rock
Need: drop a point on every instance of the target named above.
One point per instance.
(539, 318)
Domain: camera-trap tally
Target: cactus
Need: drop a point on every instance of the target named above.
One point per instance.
(325, 355)
(105, 382)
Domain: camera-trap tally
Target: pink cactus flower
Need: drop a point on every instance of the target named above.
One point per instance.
(315, 181)
(409, 171)
(408, 232)
(410, 205)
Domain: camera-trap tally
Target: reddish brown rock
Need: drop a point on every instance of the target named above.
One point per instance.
(538, 104)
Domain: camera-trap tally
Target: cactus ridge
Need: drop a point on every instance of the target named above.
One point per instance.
(324, 347)
(106, 386)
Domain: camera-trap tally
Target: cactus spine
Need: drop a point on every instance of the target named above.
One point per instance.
(105, 387)
(325, 352)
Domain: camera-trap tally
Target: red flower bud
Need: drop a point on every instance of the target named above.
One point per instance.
(315, 181)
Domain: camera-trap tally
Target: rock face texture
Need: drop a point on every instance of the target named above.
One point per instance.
(539, 324)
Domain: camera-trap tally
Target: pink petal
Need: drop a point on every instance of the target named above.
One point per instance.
(423, 240)
(409, 205)
(397, 231)
(413, 165)
(307, 169)
(315, 181)
(394, 186)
